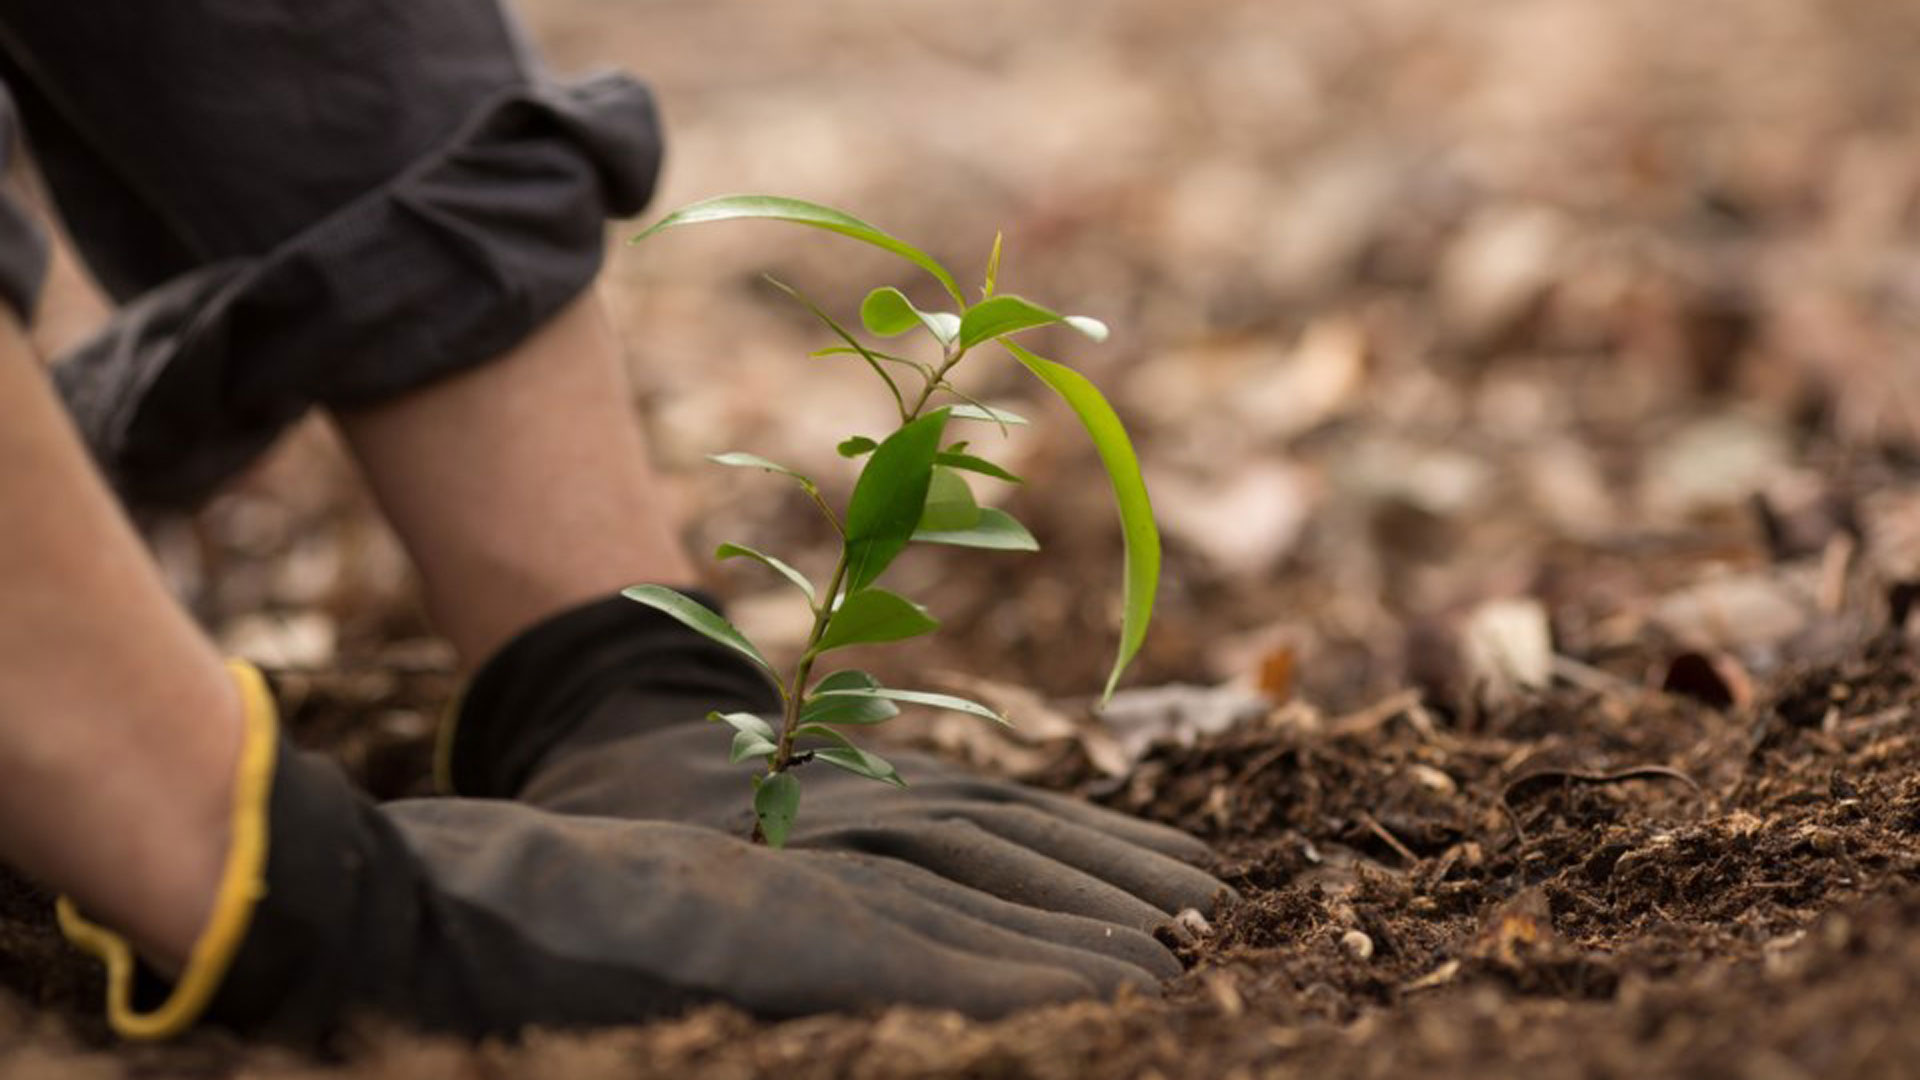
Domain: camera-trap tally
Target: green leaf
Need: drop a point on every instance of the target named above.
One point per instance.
(735, 551)
(696, 616)
(996, 531)
(987, 413)
(850, 757)
(993, 269)
(871, 355)
(888, 497)
(954, 459)
(856, 446)
(950, 504)
(800, 212)
(914, 697)
(1137, 529)
(874, 615)
(887, 312)
(745, 723)
(740, 459)
(747, 745)
(844, 710)
(1007, 314)
(776, 802)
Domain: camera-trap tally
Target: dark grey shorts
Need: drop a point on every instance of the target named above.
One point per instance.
(301, 202)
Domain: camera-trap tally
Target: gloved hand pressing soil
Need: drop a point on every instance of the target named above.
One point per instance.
(600, 711)
(482, 916)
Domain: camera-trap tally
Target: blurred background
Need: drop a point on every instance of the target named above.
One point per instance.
(1450, 331)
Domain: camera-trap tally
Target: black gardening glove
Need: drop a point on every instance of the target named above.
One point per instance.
(601, 711)
(482, 916)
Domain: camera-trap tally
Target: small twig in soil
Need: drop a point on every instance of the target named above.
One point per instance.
(1587, 776)
(1386, 837)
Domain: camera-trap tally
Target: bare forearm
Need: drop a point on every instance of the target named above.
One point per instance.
(118, 726)
(521, 487)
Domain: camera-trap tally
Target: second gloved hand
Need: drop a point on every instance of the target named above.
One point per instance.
(600, 711)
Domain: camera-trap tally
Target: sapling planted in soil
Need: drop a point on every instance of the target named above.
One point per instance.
(912, 488)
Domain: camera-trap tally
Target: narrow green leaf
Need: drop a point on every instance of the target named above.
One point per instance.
(988, 413)
(954, 459)
(873, 361)
(740, 459)
(875, 615)
(861, 763)
(915, 697)
(800, 212)
(697, 616)
(1008, 314)
(850, 757)
(996, 531)
(1137, 528)
(845, 710)
(887, 499)
(950, 504)
(887, 312)
(745, 723)
(747, 745)
(735, 551)
(872, 355)
(856, 446)
(993, 269)
(776, 802)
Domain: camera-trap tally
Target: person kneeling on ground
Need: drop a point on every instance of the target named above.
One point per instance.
(389, 215)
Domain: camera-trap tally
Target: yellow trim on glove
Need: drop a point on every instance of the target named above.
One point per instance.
(443, 739)
(242, 884)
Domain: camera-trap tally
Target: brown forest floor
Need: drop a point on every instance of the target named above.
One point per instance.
(1531, 395)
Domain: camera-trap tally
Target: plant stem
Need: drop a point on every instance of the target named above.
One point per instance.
(797, 692)
(926, 392)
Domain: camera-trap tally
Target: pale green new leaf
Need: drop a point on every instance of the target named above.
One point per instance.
(874, 615)
(745, 723)
(993, 269)
(740, 459)
(801, 212)
(990, 414)
(1137, 528)
(887, 312)
(776, 802)
(748, 745)
(1008, 314)
(697, 616)
(996, 530)
(799, 580)
(888, 498)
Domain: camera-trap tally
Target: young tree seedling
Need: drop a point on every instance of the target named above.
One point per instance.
(911, 489)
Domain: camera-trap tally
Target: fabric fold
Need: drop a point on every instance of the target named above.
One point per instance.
(448, 265)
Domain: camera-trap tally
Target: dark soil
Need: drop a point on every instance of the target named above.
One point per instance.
(1422, 307)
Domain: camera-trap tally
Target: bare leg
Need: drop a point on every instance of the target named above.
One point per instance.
(522, 487)
(119, 728)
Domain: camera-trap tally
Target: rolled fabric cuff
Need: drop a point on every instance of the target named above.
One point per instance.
(546, 687)
(178, 1007)
(450, 264)
(23, 245)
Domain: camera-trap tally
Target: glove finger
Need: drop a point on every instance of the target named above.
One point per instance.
(1159, 838)
(1122, 943)
(1166, 883)
(944, 913)
(962, 851)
